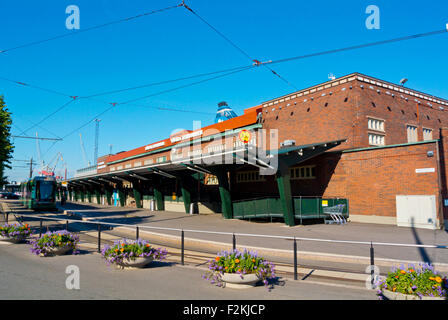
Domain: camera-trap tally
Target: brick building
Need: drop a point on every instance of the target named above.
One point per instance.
(377, 148)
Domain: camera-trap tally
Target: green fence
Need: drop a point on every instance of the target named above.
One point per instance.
(313, 207)
(304, 207)
(257, 208)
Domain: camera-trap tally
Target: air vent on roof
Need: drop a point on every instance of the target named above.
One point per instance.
(288, 143)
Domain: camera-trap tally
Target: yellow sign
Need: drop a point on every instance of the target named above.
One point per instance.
(174, 196)
(244, 136)
(324, 203)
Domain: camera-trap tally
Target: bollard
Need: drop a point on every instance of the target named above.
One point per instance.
(40, 228)
(99, 237)
(234, 242)
(66, 225)
(295, 259)
(182, 248)
(7, 217)
(372, 263)
(136, 233)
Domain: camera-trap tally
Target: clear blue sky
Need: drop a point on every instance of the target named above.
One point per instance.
(175, 43)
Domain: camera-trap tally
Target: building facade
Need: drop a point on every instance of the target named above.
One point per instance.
(373, 146)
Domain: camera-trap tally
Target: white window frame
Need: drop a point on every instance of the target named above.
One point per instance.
(412, 136)
(376, 124)
(376, 139)
(425, 132)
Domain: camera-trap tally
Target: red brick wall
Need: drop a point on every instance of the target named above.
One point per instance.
(338, 112)
(371, 179)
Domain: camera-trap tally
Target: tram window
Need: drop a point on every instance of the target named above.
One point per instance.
(45, 190)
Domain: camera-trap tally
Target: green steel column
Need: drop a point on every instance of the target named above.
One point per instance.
(82, 195)
(122, 196)
(109, 196)
(284, 189)
(89, 196)
(138, 198)
(186, 196)
(158, 196)
(98, 196)
(224, 192)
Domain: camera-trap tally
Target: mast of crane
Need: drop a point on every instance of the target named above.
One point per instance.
(83, 151)
(97, 129)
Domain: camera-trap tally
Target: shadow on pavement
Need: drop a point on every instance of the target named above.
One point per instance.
(422, 251)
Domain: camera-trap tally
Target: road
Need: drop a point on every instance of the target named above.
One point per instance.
(26, 276)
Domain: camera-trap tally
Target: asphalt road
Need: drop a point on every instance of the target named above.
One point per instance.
(26, 276)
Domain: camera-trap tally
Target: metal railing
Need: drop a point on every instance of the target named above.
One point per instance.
(233, 235)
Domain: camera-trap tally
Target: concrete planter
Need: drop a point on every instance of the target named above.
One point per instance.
(401, 296)
(237, 281)
(58, 251)
(12, 240)
(139, 262)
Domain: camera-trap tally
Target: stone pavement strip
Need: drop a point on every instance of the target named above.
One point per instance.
(26, 276)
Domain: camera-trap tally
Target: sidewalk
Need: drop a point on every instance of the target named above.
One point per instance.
(26, 276)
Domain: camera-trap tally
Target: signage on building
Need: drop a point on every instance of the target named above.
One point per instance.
(186, 136)
(244, 136)
(425, 170)
(155, 145)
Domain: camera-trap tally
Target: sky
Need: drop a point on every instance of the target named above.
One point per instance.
(174, 44)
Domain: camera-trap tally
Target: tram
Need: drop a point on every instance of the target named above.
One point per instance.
(39, 193)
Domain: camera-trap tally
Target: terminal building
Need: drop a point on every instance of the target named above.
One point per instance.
(375, 149)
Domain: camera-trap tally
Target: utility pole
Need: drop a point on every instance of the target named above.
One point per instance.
(97, 129)
(31, 167)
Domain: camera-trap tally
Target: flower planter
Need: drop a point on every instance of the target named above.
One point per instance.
(12, 240)
(237, 281)
(57, 251)
(139, 262)
(401, 296)
(127, 253)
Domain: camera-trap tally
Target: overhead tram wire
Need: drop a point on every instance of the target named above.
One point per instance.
(237, 47)
(90, 28)
(51, 114)
(189, 84)
(242, 68)
(154, 94)
(361, 46)
(164, 82)
(376, 43)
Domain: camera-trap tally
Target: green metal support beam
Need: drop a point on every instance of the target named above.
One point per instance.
(158, 196)
(138, 197)
(284, 189)
(224, 192)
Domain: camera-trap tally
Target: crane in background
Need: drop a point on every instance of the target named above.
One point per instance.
(97, 129)
(83, 151)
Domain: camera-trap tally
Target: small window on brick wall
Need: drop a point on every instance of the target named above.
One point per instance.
(427, 134)
(249, 176)
(376, 139)
(375, 124)
(412, 133)
(304, 172)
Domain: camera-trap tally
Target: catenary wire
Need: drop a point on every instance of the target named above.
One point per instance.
(89, 29)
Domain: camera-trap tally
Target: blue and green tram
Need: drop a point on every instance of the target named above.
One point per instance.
(39, 193)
